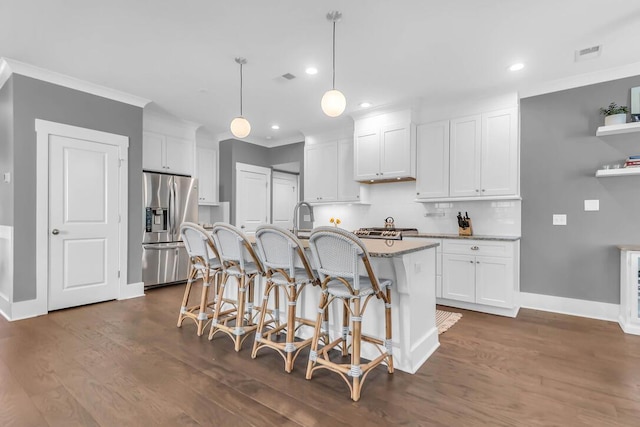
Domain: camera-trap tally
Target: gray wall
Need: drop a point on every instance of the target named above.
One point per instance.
(6, 152)
(35, 99)
(559, 156)
(233, 151)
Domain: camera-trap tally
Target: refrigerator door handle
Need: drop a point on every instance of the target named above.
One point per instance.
(163, 246)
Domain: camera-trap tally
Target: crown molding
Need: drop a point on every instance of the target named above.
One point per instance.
(580, 80)
(224, 136)
(10, 66)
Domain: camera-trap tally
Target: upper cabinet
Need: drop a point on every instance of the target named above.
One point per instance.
(328, 172)
(207, 163)
(433, 160)
(477, 157)
(164, 153)
(320, 172)
(385, 147)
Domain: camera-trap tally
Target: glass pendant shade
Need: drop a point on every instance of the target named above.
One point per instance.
(333, 103)
(240, 127)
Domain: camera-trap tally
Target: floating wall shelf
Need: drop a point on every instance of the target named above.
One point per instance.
(618, 129)
(603, 173)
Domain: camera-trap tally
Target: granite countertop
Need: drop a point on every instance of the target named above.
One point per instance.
(380, 248)
(456, 236)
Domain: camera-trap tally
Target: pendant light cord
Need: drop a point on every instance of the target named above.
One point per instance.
(241, 90)
(334, 54)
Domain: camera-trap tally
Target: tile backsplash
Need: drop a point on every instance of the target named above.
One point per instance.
(501, 218)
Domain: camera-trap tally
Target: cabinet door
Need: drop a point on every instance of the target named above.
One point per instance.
(320, 172)
(207, 176)
(179, 157)
(494, 281)
(348, 188)
(499, 167)
(367, 155)
(458, 277)
(395, 152)
(433, 160)
(153, 152)
(465, 157)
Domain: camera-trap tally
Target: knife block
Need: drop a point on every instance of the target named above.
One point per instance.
(467, 231)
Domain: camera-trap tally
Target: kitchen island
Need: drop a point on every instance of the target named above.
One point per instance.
(411, 264)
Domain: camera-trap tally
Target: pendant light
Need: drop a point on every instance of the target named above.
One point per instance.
(240, 126)
(333, 101)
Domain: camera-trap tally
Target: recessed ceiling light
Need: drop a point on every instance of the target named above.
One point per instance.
(365, 104)
(275, 127)
(516, 67)
(311, 71)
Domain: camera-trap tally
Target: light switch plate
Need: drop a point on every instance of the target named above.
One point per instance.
(7, 177)
(559, 219)
(306, 217)
(592, 205)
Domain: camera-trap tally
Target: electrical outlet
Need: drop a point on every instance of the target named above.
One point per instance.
(592, 205)
(559, 219)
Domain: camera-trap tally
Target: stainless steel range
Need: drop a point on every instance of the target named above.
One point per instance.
(387, 233)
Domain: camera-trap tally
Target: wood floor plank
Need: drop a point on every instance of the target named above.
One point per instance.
(16, 408)
(61, 409)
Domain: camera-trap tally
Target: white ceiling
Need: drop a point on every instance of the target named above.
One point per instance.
(180, 54)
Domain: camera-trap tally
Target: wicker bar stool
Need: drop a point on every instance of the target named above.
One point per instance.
(204, 263)
(240, 262)
(340, 258)
(287, 269)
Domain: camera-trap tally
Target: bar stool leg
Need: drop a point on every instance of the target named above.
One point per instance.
(185, 298)
(356, 371)
(263, 313)
(202, 315)
(219, 304)
(345, 328)
(313, 353)
(291, 326)
(239, 328)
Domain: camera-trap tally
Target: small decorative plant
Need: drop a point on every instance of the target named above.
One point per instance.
(335, 221)
(614, 108)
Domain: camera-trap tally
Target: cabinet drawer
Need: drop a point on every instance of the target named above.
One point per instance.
(478, 247)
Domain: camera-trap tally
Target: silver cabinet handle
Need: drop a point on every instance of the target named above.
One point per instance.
(477, 191)
(55, 231)
(474, 248)
(471, 262)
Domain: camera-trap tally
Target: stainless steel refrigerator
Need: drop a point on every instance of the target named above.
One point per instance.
(169, 200)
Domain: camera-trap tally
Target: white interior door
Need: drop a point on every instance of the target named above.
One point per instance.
(253, 196)
(83, 222)
(285, 198)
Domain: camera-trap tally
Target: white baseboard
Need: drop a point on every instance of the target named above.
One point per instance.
(499, 311)
(628, 327)
(571, 306)
(5, 308)
(131, 290)
(30, 308)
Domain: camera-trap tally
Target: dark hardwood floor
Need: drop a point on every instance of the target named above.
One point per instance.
(124, 363)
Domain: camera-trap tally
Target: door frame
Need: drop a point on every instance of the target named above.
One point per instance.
(43, 129)
(257, 169)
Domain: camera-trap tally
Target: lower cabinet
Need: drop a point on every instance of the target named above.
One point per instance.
(480, 272)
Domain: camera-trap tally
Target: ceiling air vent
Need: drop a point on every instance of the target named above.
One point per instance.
(588, 53)
(289, 76)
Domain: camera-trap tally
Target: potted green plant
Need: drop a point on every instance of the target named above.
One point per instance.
(614, 114)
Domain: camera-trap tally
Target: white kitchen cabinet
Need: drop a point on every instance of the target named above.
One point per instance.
(432, 179)
(321, 172)
(163, 153)
(483, 273)
(348, 188)
(385, 150)
(484, 154)
(207, 174)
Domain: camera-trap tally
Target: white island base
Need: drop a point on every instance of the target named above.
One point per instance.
(412, 267)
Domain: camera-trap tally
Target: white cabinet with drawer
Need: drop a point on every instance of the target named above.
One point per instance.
(482, 273)
(168, 154)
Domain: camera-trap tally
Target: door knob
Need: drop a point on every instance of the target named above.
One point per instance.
(242, 226)
(55, 231)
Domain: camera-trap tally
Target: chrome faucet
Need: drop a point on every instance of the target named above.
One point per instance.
(296, 212)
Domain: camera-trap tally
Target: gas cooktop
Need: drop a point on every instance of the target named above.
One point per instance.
(387, 233)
